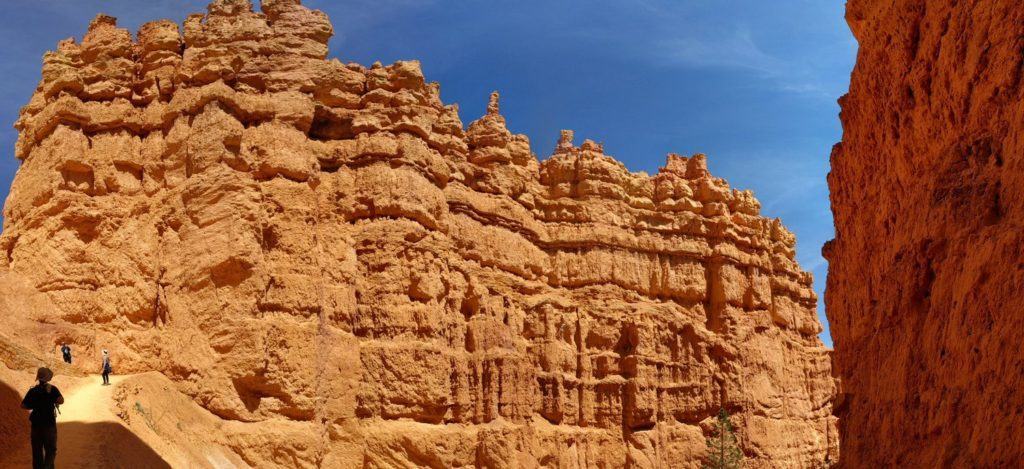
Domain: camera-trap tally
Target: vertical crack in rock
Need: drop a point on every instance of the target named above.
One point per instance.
(324, 257)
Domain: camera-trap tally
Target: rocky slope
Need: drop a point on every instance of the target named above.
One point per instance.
(924, 286)
(321, 255)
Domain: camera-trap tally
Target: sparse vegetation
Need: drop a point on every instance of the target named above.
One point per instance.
(147, 416)
(723, 447)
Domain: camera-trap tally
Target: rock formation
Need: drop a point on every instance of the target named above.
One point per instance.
(324, 258)
(925, 272)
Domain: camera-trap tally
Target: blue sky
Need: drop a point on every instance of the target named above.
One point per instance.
(753, 84)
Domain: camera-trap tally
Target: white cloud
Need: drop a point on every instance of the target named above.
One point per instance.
(734, 50)
(800, 49)
(739, 49)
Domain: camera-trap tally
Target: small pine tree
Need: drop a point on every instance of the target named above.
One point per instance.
(723, 448)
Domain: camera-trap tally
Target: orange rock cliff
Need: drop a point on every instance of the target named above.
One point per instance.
(323, 258)
(925, 273)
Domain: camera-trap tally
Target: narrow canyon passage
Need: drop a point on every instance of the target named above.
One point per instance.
(90, 435)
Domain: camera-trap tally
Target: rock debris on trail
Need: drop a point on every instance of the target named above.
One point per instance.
(322, 258)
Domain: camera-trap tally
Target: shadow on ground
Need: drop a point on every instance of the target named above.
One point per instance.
(109, 444)
(79, 444)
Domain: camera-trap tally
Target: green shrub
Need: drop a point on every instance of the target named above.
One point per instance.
(723, 448)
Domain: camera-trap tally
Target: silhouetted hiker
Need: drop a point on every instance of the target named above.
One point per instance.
(43, 400)
(66, 351)
(106, 368)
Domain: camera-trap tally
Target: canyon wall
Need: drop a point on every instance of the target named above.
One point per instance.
(925, 275)
(324, 258)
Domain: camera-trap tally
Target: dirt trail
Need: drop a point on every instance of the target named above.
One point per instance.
(90, 435)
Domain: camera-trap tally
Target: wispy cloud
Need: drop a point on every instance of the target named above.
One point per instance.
(734, 50)
(786, 47)
(780, 179)
(739, 49)
(813, 263)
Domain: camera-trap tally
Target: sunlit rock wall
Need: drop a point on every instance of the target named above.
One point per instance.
(321, 255)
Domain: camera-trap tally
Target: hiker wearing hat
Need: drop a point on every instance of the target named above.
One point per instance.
(106, 368)
(43, 400)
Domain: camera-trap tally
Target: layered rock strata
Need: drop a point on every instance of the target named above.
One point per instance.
(322, 256)
(925, 273)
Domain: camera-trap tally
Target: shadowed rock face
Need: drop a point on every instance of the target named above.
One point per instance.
(925, 274)
(321, 252)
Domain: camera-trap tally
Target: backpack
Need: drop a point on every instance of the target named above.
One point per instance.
(39, 409)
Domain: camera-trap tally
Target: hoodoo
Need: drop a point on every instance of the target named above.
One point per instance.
(925, 279)
(326, 260)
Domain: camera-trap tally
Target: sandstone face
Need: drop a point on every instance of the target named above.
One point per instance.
(323, 257)
(925, 274)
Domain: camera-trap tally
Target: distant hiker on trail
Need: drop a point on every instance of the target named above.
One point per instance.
(106, 368)
(66, 351)
(43, 400)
